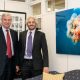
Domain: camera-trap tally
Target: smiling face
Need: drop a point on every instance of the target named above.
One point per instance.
(31, 23)
(6, 20)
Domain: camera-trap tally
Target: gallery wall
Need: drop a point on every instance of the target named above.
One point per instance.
(59, 62)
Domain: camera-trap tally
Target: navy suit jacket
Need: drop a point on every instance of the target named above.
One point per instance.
(3, 49)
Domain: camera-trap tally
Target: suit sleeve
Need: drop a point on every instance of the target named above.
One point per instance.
(45, 51)
(20, 48)
(16, 48)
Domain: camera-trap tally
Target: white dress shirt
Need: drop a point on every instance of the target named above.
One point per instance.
(33, 32)
(5, 33)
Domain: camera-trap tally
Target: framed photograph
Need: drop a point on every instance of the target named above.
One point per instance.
(68, 31)
(18, 20)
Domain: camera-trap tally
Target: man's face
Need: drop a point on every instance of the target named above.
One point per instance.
(6, 21)
(31, 23)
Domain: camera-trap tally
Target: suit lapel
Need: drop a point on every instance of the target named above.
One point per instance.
(3, 37)
(34, 40)
(24, 39)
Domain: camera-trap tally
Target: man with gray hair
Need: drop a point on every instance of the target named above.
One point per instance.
(8, 48)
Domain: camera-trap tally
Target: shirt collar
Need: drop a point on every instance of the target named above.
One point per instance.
(4, 29)
(33, 31)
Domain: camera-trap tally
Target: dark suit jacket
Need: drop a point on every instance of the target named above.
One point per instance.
(3, 49)
(40, 59)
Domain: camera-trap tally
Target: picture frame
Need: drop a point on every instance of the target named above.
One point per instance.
(68, 31)
(18, 20)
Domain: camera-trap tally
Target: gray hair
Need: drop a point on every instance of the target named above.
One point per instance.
(6, 14)
(32, 18)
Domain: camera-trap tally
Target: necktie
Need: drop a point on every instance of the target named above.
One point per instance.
(29, 45)
(9, 51)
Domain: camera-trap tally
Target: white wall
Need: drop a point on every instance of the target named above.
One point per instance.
(73, 3)
(15, 6)
(61, 63)
(57, 62)
(1, 4)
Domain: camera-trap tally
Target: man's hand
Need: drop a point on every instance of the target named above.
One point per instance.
(17, 69)
(46, 69)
